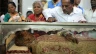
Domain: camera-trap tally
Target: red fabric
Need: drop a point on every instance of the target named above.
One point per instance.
(32, 17)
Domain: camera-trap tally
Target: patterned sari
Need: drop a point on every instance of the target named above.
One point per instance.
(13, 18)
(41, 18)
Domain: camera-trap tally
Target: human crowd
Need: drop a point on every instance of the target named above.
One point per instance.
(52, 11)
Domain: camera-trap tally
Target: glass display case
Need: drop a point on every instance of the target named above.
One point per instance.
(76, 29)
(9, 27)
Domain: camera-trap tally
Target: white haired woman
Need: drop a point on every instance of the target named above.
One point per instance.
(37, 15)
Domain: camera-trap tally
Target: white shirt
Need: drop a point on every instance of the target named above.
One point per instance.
(58, 13)
(90, 15)
(2, 18)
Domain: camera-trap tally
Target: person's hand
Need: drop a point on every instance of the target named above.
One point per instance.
(51, 19)
(16, 17)
(28, 20)
(82, 21)
(10, 20)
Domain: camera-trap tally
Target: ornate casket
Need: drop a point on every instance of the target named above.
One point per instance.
(53, 43)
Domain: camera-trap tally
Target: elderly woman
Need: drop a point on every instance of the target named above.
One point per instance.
(13, 15)
(37, 15)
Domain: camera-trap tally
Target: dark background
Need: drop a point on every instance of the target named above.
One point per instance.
(3, 6)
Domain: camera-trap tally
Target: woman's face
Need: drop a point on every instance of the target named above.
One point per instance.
(11, 8)
(37, 8)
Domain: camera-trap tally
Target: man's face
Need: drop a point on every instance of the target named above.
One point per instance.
(93, 3)
(67, 7)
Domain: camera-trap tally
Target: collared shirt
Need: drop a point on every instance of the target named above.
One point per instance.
(81, 9)
(90, 15)
(58, 13)
(51, 4)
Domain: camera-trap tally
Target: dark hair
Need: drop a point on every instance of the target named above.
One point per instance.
(72, 1)
(29, 12)
(12, 4)
(55, 1)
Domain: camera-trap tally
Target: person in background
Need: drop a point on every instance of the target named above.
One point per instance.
(76, 4)
(66, 13)
(2, 17)
(37, 16)
(13, 15)
(90, 14)
(28, 13)
(54, 3)
(45, 4)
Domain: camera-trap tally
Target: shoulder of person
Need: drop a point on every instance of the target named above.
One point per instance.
(87, 11)
(31, 16)
(77, 10)
(2, 16)
(57, 8)
(7, 14)
(52, 10)
(49, 1)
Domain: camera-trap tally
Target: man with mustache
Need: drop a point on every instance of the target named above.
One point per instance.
(66, 13)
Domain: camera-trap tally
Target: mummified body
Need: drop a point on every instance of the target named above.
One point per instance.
(23, 38)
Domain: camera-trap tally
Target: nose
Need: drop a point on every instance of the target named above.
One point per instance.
(64, 8)
(36, 8)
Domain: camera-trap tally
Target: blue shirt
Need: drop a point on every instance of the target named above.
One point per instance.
(51, 4)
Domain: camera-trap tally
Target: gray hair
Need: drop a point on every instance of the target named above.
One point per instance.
(39, 3)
